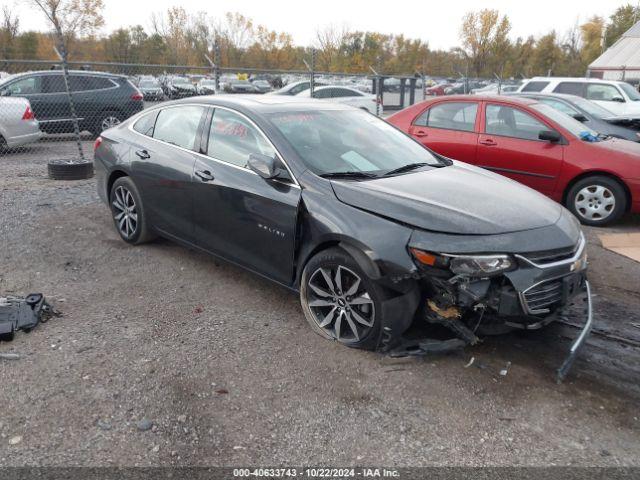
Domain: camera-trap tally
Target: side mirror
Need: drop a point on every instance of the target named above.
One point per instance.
(549, 136)
(618, 99)
(263, 165)
(580, 117)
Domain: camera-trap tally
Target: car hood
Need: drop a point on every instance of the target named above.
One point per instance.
(617, 145)
(459, 199)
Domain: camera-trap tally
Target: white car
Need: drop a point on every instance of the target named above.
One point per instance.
(617, 97)
(347, 95)
(18, 125)
(294, 88)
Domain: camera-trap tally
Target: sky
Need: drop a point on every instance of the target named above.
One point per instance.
(437, 22)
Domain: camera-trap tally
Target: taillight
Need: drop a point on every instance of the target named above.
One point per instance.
(97, 143)
(28, 114)
(137, 97)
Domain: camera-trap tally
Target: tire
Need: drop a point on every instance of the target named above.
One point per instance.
(106, 120)
(64, 170)
(357, 307)
(128, 212)
(597, 200)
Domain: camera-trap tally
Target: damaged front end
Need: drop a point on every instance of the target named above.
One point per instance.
(488, 294)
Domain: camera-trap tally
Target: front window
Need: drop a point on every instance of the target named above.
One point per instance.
(341, 141)
(507, 121)
(593, 109)
(603, 92)
(232, 139)
(631, 92)
(24, 86)
(535, 86)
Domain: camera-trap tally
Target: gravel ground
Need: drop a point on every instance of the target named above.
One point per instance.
(165, 356)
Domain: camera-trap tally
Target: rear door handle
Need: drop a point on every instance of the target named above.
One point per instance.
(143, 154)
(205, 175)
(488, 142)
(421, 133)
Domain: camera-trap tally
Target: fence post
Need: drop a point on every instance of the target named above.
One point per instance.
(312, 80)
(378, 90)
(62, 54)
(216, 66)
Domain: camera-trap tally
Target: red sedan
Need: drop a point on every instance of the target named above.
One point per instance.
(594, 176)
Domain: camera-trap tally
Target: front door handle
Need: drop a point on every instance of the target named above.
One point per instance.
(143, 154)
(205, 175)
(421, 133)
(488, 142)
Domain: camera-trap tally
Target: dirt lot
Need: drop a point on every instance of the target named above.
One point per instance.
(225, 369)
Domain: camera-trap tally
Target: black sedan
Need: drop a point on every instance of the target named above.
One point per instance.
(592, 115)
(371, 229)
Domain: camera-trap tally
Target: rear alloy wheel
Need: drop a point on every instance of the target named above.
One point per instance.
(339, 301)
(597, 200)
(106, 120)
(128, 212)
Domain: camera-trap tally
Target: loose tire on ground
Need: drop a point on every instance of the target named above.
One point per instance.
(597, 200)
(65, 170)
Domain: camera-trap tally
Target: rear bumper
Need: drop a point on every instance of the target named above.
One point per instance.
(19, 140)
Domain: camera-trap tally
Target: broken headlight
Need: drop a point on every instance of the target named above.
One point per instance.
(471, 265)
(481, 265)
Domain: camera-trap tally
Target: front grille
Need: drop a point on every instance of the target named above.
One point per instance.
(550, 256)
(543, 297)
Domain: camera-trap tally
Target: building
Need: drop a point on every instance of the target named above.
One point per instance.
(622, 60)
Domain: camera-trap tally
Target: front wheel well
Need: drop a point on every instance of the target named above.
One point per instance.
(597, 173)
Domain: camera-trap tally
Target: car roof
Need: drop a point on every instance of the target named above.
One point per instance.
(562, 96)
(72, 72)
(265, 103)
(572, 79)
(488, 98)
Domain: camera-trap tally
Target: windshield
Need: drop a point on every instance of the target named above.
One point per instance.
(180, 80)
(593, 108)
(149, 84)
(339, 141)
(579, 130)
(631, 92)
(208, 82)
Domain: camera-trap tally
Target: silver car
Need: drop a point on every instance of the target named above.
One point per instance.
(18, 124)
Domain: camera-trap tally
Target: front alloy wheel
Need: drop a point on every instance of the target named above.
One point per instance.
(339, 301)
(340, 304)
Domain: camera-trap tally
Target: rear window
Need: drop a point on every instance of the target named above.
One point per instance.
(179, 125)
(450, 116)
(570, 88)
(98, 83)
(534, 86)
(145, 124)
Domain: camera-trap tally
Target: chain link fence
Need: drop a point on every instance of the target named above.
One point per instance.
(38, 105)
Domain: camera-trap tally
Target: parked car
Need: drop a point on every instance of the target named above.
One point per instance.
(346, 95)
(151, 89)
(370, 229)
(295, 88)
(179, 87)
(618, 97)
(240, 86)
(262, 86)
(437, 90)
(590, 114)
(101, 100)
(206, 86)
(596, 177)
(18, 125)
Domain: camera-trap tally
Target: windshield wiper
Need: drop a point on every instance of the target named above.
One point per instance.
(405, 168)
(349, 175)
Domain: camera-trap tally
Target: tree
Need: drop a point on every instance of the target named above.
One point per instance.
(483, 34)
(622, 20)
(8, 33)
(68, 19)
(547, 55)
(592, 32)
